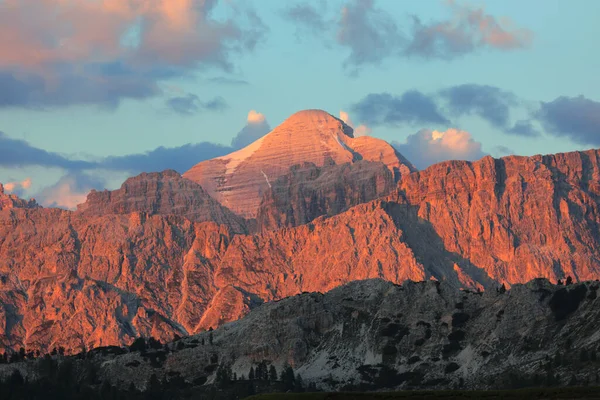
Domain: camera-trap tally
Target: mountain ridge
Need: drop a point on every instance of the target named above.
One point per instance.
(150, 270)
(164, 193)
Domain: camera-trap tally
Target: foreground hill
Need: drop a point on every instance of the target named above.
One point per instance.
(371, 335)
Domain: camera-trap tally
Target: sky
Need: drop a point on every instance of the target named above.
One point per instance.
(95, 91)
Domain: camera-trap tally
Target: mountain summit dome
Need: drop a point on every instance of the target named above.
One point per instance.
(238, 180)
(318, 118)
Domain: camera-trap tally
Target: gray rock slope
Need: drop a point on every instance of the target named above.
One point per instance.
(373, 334)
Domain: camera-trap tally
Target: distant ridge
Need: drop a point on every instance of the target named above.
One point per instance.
(162, 193)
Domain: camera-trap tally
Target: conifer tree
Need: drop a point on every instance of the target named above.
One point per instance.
(272, 373)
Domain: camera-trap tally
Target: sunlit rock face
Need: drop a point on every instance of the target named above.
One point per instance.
(240, 179)
(308, 192)
(514, 218)
(159, 257)
(162, 193)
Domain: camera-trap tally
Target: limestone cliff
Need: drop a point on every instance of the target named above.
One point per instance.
(124, 266)
(308, 192)
(514, 218)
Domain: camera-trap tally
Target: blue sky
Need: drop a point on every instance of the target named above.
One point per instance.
(94, 102)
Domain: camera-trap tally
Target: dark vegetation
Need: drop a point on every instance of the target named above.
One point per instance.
(524, 394)
(566, 301)
(76, 377)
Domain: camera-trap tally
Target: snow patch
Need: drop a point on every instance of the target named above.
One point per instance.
(266, 177)
(237, 157)
(344, 146)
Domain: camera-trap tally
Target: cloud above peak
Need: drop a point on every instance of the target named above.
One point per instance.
(487, 102)
(427, 147)
(191, 104)
(370, 33)
(412, 107)
(255, 117)
(19, 153)
(17, 186)
(443, 107)
(70, 190)
(360, 130)
(577, 118)
(256, 127)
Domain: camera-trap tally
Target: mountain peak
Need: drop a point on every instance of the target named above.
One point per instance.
(317, 118)
(240, 179)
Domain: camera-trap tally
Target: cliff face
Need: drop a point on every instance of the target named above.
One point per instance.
(164, 193)
(240, 179)
(72, 280)
(108, 272)
(515, 218)
(308, 192)
(373, 335)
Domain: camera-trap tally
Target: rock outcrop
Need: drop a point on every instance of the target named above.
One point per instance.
(13, 201)
(308, 192)
(162, 193)
(240, 179)
(374, 335)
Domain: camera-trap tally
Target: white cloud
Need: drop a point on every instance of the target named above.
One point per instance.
(12, 186)
(256, 127)
(72, 189)
(255, 117)
(345, 117)
(362, 130)
(427, 147)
